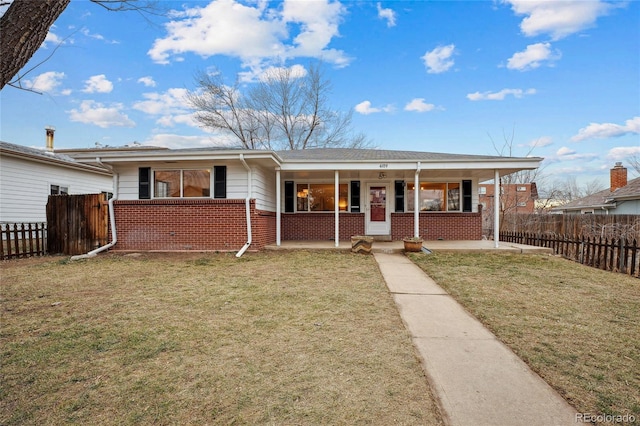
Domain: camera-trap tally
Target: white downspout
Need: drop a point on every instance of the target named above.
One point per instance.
(247, 207)
(496, 209)
(336, 207)
(112, 217)
(416, 203)
(278, 208)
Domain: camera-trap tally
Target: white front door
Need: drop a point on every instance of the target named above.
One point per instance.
(378, 215)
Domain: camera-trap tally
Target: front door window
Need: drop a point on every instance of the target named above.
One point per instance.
(378, 203)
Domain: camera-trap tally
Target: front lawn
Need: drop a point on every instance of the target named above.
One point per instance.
(576, 326)
(271, 338)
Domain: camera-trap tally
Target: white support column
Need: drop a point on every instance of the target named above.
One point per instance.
(416, 202)
(336, 208)
(278, 207)
(496, 208)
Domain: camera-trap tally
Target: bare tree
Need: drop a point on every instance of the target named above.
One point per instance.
(510, 197)
(634, 162)
(25, 24)
(283, 110)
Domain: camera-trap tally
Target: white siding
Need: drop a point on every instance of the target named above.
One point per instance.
(25, 187)
(236, 176)
(264, 188)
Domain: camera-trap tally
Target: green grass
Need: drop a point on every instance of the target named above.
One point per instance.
(577, 327)
(300, 338)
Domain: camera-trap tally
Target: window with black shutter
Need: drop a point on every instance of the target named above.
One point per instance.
(289, 196)
(399, 196)
(219, 181)
(355, 196)
(144, 183)
(466, 196)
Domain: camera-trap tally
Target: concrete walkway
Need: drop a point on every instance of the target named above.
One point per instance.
(478, 380)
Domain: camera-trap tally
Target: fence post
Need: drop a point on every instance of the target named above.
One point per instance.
(622, 255)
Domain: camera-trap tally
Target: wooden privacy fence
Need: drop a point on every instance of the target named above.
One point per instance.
(610, 254)
(592, 225)
(22, 240)
(76, 224)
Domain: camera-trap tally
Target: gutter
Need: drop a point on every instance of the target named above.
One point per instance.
(247, 207)
(112, 217)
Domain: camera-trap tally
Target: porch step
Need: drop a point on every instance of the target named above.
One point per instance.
(381, 237)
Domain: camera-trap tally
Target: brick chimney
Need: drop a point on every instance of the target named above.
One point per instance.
(618, 176)
(50, 131)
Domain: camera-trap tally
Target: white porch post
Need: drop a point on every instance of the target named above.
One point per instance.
(278, 203)
(336, 207)
(496, 208)
(416, 202)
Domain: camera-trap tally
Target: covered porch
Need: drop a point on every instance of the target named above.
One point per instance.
(331, 194)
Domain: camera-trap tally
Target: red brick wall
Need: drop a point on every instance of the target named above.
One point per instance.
(190, 224)
(320, 226)
(441, 225)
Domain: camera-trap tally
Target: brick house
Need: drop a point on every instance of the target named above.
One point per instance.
(235, 199)
(515, 198)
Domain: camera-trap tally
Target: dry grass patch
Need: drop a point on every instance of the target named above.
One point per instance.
(578, 327)
(271, 338)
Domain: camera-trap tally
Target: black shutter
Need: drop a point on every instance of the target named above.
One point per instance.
(466, 196)
(144, 183)
(219, 181)
(399, 196)
(289, 196)
(355, 196)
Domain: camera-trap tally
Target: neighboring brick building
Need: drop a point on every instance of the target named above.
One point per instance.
(235, 199)
(515, 198)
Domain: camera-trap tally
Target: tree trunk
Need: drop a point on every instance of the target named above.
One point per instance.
(23, 28)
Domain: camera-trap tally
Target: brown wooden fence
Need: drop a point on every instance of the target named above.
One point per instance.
(610, 254)
(22, 240)
(589, 225)
(76, 224)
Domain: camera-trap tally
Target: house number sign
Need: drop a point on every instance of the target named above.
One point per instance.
(383, 165)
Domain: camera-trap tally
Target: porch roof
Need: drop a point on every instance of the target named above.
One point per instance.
(328, 159)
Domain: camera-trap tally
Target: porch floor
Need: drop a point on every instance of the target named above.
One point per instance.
(398, 246)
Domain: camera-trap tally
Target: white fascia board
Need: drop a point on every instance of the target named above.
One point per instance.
(519, 164)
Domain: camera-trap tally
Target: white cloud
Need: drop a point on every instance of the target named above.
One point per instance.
(92, 112)
(98, 84)
(621, 153)
(365, 108)
(558, 18)
(46, 82)
(51, 38)
(568, 154)
(254, 34)
(173, 141)
(387, 14)
(608, 130)
(532, 57)
(499, 96)
(439, 59)
(147, 81)
(540, 142)
(171, 107)
(419, 105)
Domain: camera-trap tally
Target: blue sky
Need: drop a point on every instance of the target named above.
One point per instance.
(562, 77)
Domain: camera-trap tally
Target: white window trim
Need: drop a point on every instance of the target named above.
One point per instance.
(181, 170)
(446, 182)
